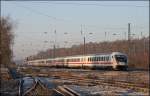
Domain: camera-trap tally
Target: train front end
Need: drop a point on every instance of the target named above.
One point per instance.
(120, 61)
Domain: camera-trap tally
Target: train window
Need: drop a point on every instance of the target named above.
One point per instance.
(107, 58)
(79, 59)
(96, 58)
(93, 59)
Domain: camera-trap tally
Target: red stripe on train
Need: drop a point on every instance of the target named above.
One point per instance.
(84, 63)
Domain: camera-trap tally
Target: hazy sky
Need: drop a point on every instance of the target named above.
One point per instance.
(37, 21)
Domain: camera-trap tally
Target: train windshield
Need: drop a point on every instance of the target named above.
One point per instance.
(121, 58)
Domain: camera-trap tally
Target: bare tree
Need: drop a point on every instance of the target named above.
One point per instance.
(6, 40)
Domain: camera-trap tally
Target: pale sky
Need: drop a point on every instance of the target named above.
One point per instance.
(37, 21)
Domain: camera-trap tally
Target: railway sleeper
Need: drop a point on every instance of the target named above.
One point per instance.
(66, 91)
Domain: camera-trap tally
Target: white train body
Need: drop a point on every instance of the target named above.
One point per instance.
(115, 60)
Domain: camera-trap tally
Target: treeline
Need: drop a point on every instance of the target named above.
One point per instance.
(6, 41)
(136, 49)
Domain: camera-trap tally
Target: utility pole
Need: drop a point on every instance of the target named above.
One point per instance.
(84, 45)
(83, 41)
(105, 36)
(141, 35)
(129, 45)
(125, 36)
(54, 50)
(129, 33)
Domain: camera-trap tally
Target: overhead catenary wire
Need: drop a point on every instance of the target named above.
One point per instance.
(94, 4)
(39, 12)
(60, 19)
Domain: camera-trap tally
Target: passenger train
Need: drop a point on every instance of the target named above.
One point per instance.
(113, 60)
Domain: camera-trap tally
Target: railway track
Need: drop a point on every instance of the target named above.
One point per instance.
(66, 91)
(77, 80)
(66, 77)
(39, 89)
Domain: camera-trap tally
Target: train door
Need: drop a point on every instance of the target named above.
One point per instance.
(66, 62)
(82, 62)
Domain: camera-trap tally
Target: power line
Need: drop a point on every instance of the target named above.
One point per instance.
(96, 4)
(52, 17)
(58, 19)
(39, 13)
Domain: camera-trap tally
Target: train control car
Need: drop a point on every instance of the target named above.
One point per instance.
(114, 60)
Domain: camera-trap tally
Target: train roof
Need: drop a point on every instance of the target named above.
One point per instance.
(109, 53)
